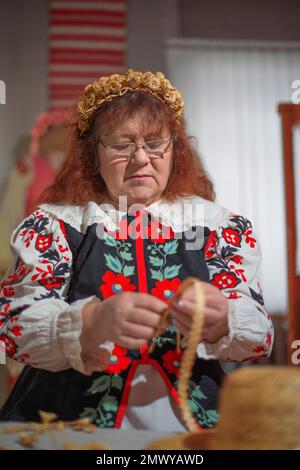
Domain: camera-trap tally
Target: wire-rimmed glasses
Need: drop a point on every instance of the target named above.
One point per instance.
(155, 149)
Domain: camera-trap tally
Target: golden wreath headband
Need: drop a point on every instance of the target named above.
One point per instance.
(112, 86)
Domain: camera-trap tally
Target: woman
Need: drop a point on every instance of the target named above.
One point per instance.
(128, 218)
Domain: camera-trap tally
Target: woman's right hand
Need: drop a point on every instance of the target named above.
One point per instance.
(128, 319)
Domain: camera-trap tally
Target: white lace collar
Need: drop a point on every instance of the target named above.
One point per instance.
(180, 215)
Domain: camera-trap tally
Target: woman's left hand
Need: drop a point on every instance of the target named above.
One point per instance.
(215, 312)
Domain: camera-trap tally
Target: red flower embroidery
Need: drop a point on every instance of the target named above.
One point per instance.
(250, 240)
(259, 349)
(237, 259)
(30, 236)
(225, 280)
(42, 272)
(239, 272)
(166, 289)
(234, 295)
(38, 214)
(269, 339)
(141, 228)
(10, 345)
(52, 283)
(16, 330)
(118, 360)
(122, 231)
(115, 284)
(21, 272)
(158, 232)
(8, 291)
(62, 249)
(210, 245)
(43, 242)
(232, 236)
(172, 362)
(5, 311)
(62, 228)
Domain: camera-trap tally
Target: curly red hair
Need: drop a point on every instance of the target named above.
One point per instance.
(78, 180)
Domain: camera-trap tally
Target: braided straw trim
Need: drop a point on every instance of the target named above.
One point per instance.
(189, 355)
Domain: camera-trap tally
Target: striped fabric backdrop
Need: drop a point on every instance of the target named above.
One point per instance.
(87, 39)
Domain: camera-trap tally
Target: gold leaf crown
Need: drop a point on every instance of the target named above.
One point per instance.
(109, 87)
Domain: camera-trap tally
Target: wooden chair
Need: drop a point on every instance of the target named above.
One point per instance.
(290, 118)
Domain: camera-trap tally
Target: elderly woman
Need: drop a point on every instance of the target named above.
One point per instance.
(128, 218)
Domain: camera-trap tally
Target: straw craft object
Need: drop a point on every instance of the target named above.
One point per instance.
(260, 409)
(259, 405)
(195, 337)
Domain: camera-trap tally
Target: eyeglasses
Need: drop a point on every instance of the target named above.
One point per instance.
(153, 148)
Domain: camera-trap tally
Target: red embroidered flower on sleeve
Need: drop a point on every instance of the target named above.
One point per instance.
(225, 280)
(259, 349)
(210, 245)
(43, 273)
(237, 259)
(18, 275)
(29, 234)
(8, 291)
(269, 339)
(234, 295)
(118, 360)
(52, 282)
(16, 330)
(10, 345)
(172, 361)
(4, 313)
(166, 289)
(250, 240)
(239, 272)
(231, 236)
(62, 228)
(115, 284)
(43, 242)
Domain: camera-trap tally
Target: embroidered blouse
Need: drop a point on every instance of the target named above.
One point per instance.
(55, 272)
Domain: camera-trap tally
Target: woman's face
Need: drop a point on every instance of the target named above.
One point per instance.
(141, 178)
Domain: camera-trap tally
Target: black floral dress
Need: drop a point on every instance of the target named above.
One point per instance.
(66, 254)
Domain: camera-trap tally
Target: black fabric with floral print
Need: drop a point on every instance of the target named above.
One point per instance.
(154, 261)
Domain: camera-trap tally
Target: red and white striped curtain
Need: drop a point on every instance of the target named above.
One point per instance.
(87, 39)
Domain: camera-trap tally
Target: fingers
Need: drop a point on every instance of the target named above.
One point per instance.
(179, 316)
(136, 331)
(149, 302)
(131, 343)
(184, 306)
(144, 317)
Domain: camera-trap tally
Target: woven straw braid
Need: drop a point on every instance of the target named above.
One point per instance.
(189, 355)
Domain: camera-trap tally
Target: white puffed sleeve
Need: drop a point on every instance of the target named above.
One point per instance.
(37, 325)
(233, 256)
